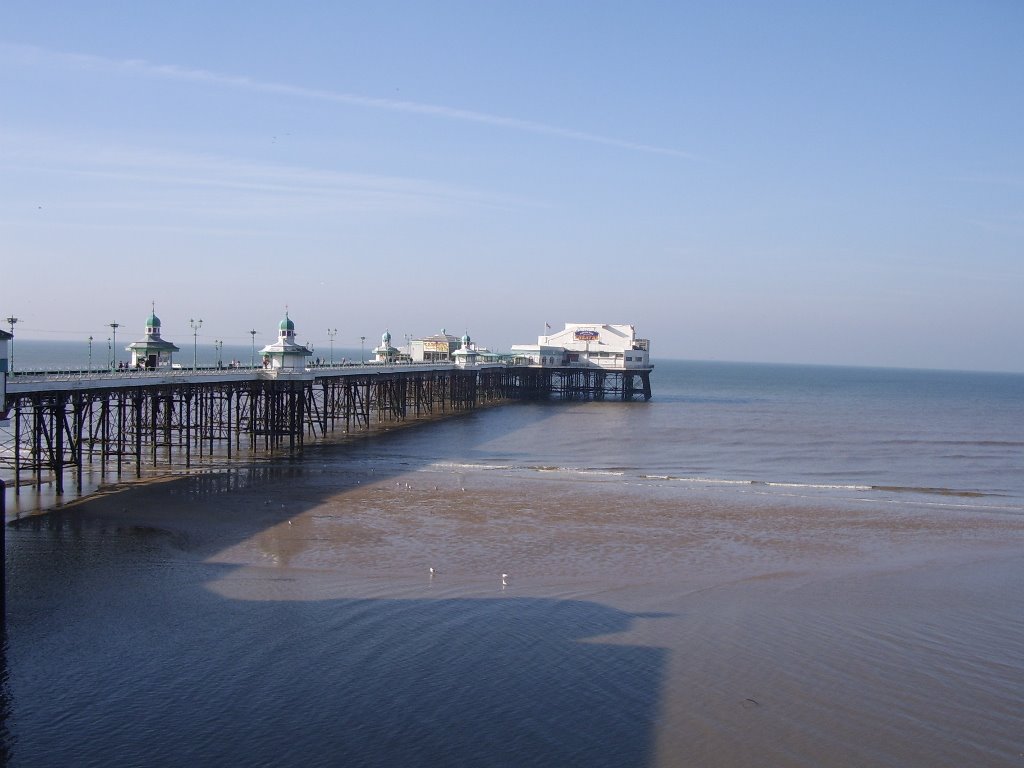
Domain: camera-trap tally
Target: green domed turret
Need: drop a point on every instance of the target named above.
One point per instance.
(286, 324)
(151, 352)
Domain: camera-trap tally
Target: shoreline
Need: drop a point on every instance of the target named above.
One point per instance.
(310, 514)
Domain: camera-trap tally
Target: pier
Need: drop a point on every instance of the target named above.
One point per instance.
(155, 415)
(125, 422)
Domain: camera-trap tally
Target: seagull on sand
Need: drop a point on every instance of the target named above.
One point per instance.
(504, 579)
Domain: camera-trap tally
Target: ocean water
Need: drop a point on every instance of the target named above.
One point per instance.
(881, 436)
(778, 565)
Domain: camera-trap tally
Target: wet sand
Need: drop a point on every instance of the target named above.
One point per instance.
(787, 633)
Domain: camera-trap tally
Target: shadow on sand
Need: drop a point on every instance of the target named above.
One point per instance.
(120, 654)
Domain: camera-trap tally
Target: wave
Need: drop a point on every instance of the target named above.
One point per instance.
(702, 480)
(573, 470)
(456, 466)
(935, 491)
(981, 443)
(768, 483)
(858, 487)
(706, 481)
(817, 486)
(469, 465)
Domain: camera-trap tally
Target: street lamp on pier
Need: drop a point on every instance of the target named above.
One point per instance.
(11, 321)
(90, 354)
(219, 345)
(252, 360)
(361, 340)
(110, 365)
(331, 333)
(196, 325)
(113, 328)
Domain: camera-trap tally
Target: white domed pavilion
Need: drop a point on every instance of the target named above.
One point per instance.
(152, 352)
(285, 353)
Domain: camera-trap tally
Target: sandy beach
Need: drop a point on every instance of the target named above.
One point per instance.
(769, 630)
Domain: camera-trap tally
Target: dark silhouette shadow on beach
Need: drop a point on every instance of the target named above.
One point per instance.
(120, 653)
(158, 673)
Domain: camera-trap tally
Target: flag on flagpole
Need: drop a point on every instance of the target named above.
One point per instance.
(546, 326)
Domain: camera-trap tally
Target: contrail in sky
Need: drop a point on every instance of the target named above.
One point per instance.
(175, 72)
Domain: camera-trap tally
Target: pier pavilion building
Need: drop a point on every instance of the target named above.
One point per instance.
(466, 354)
(385, 353)
(596, 345)
(285, 354)
(152, 352)
(434, 349)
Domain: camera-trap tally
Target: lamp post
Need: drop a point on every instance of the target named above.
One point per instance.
(90, 354)
(252, 360)
(196, 325)
(110, 365)
(113, 329)
(331, 333)
(361, 340)
(219, 345)
(12, 320)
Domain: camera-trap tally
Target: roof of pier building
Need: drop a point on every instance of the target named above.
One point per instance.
(441, 338)
(605, 345)
(285, 352)
(583, 337)
(151, 343)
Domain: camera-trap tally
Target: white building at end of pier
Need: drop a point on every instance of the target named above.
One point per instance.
(595, 345)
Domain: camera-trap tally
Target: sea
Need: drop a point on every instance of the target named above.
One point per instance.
(780, 565)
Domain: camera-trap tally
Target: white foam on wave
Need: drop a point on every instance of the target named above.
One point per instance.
(708, 480)
(450, 465)
(817, 486)
(575, 471)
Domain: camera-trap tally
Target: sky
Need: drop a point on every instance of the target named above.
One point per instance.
(803, 182)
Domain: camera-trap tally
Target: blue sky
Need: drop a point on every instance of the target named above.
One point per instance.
(782, 182)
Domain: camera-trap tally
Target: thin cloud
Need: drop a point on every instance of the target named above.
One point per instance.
(161, 180)
(185, 74)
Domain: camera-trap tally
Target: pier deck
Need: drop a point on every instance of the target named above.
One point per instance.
(127, 420)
